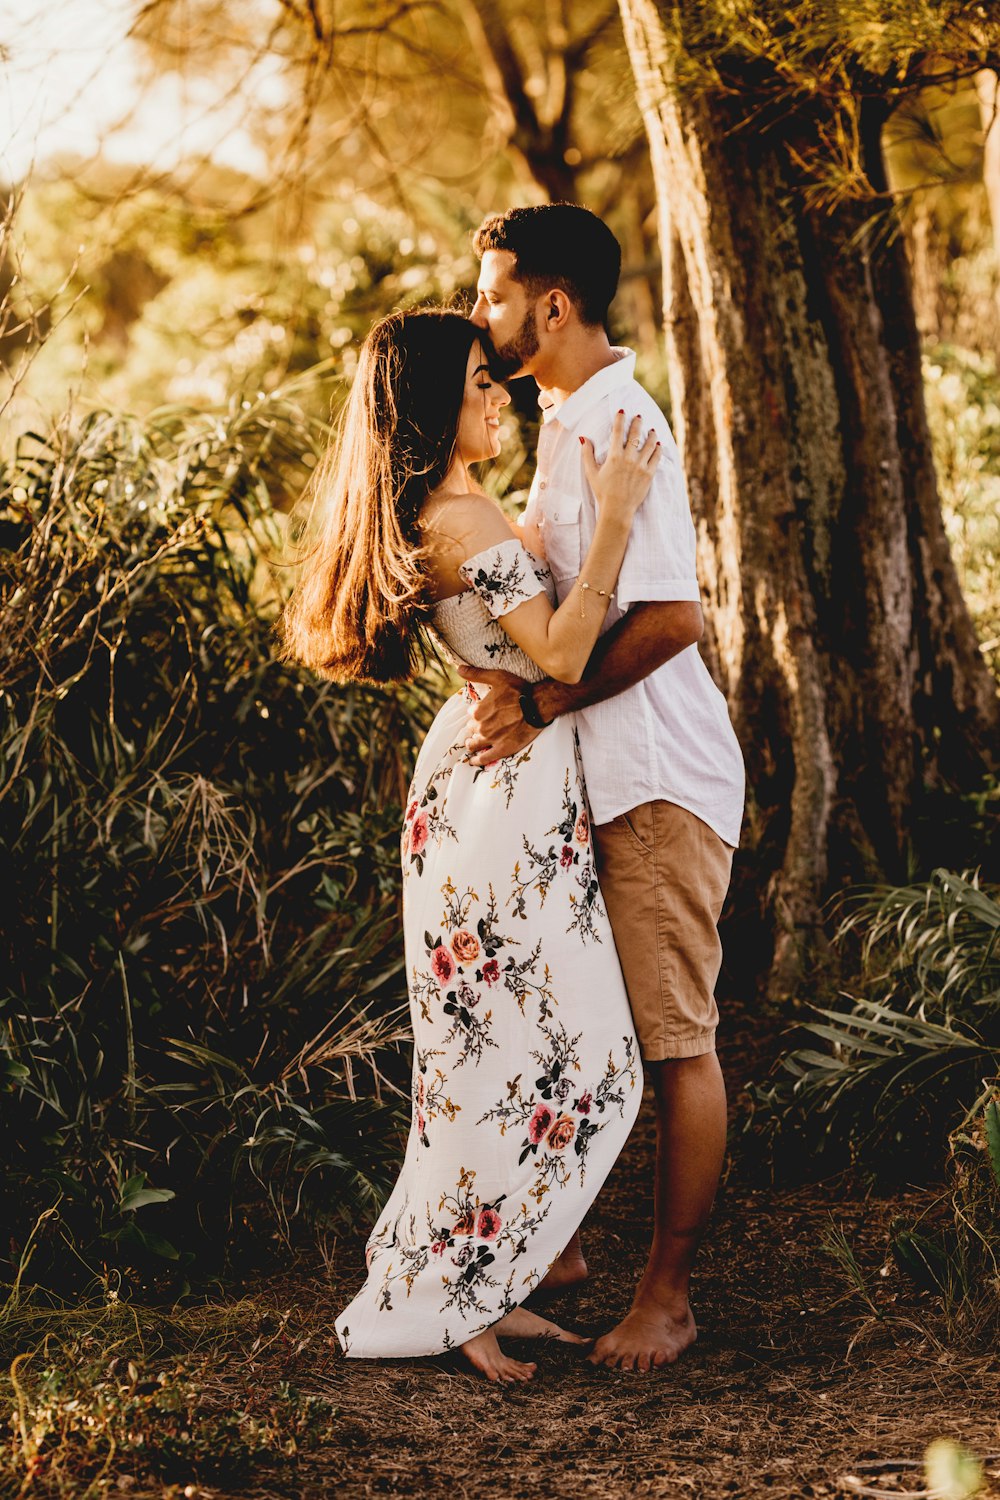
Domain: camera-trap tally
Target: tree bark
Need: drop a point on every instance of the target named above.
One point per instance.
(837, 627)
(988, 89)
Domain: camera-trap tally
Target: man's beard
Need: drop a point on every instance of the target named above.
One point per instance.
(512, 356)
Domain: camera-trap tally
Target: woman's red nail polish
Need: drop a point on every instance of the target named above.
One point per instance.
(582, 441)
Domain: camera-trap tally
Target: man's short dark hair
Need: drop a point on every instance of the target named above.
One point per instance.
(558, 244)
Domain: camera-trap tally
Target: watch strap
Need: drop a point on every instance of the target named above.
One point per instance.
(530, 712)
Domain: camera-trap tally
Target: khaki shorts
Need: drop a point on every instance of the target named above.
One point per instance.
(664, 876)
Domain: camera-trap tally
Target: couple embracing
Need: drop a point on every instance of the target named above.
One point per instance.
(570, 826)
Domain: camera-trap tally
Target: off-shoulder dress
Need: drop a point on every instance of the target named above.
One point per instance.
(526, 1071)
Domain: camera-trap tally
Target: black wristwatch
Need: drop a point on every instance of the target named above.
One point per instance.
(530, 712)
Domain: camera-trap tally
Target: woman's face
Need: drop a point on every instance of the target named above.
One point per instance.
(479, 421)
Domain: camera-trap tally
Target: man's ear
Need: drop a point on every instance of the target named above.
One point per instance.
(556, 309)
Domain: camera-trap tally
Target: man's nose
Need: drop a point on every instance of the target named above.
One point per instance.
(480, 313)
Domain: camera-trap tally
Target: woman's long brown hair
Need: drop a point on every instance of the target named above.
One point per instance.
(358, 611)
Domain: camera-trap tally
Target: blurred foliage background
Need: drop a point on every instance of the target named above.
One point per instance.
(201, 994)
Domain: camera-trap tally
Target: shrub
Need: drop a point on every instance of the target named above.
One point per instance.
(198, 941)
(908, 1081)
(901, 1060)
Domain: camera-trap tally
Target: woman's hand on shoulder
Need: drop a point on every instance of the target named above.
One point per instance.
(621, 483)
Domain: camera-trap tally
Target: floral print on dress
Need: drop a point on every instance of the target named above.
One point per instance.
(503, 577)
(543, 868)
(526, 1077)
(557, 1112)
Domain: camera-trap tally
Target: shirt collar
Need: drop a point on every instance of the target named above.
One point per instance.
(593, 390)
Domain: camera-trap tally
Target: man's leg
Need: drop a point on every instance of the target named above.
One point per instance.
(690, 1146)
(664, 876)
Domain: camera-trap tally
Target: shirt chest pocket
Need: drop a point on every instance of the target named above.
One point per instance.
(560, 528)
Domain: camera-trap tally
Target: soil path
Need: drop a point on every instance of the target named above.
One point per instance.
(788, 1392)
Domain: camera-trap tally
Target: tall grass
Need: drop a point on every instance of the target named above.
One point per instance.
(903, 1080)
(900, 1060)
(200, 972)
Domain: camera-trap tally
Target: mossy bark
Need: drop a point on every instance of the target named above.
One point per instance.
(836, 624)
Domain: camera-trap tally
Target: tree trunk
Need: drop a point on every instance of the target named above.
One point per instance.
(837, 628)
(988, 89)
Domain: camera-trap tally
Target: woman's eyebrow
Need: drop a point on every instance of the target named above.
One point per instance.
(480, 368)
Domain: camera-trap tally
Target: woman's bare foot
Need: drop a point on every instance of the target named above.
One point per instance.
(485, 1355)
(484, 1352)
(522, 1323)
(568, 1271)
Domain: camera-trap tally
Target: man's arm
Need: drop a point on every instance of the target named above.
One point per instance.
(648, 635)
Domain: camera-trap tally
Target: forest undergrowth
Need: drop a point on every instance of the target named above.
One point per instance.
(203, 1058)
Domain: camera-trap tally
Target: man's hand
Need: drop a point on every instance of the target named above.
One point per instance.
(496, 727)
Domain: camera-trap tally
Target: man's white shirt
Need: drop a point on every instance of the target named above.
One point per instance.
(669, 736)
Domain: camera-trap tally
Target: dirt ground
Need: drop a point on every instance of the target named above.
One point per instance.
(793, 1389)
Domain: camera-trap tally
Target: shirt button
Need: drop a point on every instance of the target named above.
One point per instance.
(542, 484)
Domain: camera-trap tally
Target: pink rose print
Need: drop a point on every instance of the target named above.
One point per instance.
(491, 971)
(584, 1102)
(421, 1122)
(420, 1089)
(419, 833)
(465, 947)
(561, 1133)
(489, 1224)
(539, 1123)
(411, 811)
(566, 857)
(582, 830)
(443, 965)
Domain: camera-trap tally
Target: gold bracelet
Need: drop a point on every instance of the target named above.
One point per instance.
(583, 588)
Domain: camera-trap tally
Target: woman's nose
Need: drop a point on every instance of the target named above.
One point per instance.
(502, 398)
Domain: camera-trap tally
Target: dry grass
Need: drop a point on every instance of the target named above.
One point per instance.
(781, 1396)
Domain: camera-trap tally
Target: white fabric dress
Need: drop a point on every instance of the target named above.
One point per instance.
(526, 1072)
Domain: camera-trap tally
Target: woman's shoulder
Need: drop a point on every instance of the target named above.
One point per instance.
(465, 523)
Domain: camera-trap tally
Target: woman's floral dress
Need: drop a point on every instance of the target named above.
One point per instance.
(526, 1073)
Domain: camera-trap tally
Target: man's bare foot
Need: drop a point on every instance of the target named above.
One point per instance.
(650, 1335)
(485, 1355)
(568, 1271)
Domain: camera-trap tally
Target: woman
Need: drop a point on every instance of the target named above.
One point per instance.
(526, 1076)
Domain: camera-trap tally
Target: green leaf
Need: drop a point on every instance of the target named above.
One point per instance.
(920, 1258)
(136, 1195)
(951, 1471)
(992, 1122)
(143, 1239)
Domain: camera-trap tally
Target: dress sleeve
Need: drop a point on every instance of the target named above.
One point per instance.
(503, 576)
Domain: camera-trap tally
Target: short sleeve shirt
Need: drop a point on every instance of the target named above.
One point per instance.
(670, 735)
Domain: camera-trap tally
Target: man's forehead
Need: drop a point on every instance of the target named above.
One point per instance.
(497, 268)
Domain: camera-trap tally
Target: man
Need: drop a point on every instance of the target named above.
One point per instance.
(663, 767)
